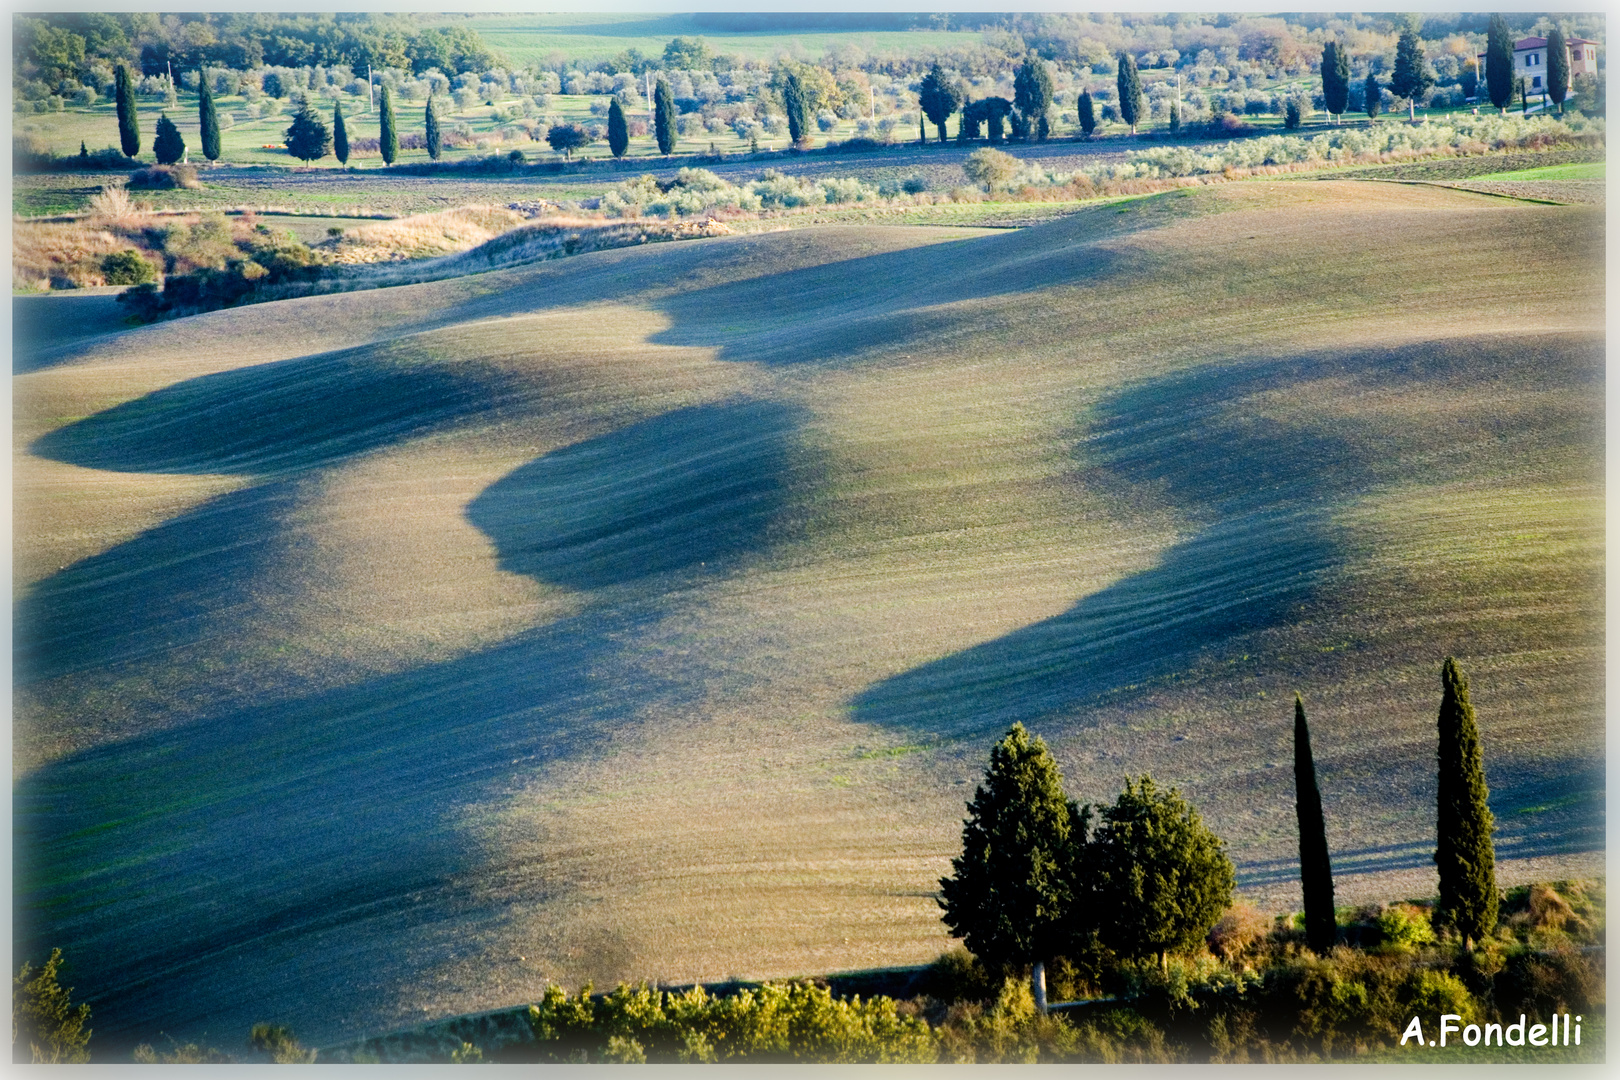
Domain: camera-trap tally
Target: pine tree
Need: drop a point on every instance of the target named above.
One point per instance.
(1009, 893)
(664, 117)
(1162, 877)
(1130, 91)
(167, 145)
(1370, 95)
(1464, 851)
(1335, 78)
(1412, 75)
(1557, 68)
(1087, 115)
(1499, 63)
(1315, 868)
(208, 117)
(340, 134)
(388, 133)
(1032, 96)
(307, 137)
(431, 133)
(939, 96)
(129, 123)
(798, 111)
(618, 131)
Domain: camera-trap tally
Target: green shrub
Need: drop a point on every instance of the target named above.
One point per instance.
(126, 268)
(1007, 1029)
(1404, 926)
(181, 1054)
(46, 1027)
(277, 1045)
(957, 975)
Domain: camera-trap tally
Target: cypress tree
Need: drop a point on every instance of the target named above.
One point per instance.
(1557, 68)
(129, 124)
(167, 145)
(1175, 117)
(388, 140)
(340, 134)
(432, 135)
(1315, 868)
(664, 117)
(1032, 94)
(1370, 92)
(1464, 851)
(1130, 91)
(618, 130)
(939, 96)
(798, 110)
(1009, 893)
(208, 118)
(1335, 78)
(1088, 115)
(1412, 75)
(1499, 64)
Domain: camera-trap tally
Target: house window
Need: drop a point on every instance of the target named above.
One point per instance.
(1535, 83)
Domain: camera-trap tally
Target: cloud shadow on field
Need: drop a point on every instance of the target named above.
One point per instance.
(289, 414)
(706, 485)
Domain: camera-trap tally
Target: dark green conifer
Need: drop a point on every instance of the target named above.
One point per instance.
(1370, 96)
(1499, 63)
(1087, 114)
(939, 96)
(167, 145)
(307, 137)
(431, 134)
(1412, 76)
(1335, 78)
(664, 117)
(129, 123)
(1464, 850)
(1130, 91)
(1315, 868)
(208, 118)
(1032, 95)
(618, 131)
(388, 132)
(1009, 893)
(798, 109)
(340, 134)
(1557, 68)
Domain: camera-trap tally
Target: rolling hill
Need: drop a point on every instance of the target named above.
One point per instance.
(381, 656)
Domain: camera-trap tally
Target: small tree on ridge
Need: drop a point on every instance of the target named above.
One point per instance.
(618, 132)
(129, 122)
(1464, 852)
(167, 144)
(388, 131)
(1130, 91)
(307, 137)
(207, 117)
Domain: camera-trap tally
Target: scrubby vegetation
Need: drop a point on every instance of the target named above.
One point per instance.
(46, 1027)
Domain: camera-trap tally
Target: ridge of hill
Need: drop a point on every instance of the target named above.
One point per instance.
(384, 655)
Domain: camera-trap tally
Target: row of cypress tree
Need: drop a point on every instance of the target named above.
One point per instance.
(1465, 853)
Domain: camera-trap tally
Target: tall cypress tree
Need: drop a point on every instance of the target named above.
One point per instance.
(1335, 78)
(1499, 63)
(1315, 868)
(1464, 851)
(340, 134)
(1032, 94)
(618, 130)
(1130, 91)
(1557, 68)
(1087, 115)
(129, 124)
(432, 135)
(1412, 75)
(208, 118)
(388, 132)
(798, 109)
(664, 117)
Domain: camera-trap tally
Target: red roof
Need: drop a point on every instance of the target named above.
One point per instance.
(1530, 43)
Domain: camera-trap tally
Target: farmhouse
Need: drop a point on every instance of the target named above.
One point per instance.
(1530, 60)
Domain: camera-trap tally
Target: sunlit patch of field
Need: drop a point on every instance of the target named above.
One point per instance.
(650, 614)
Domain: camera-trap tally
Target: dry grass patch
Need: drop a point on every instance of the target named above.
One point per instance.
(423, 236)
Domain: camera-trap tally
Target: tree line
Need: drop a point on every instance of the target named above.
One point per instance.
(1037, 881)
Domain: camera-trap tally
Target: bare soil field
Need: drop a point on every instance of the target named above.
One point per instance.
(650, 613)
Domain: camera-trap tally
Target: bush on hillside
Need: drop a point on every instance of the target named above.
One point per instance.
(126, 268)
(164, 177)
(46, 1027)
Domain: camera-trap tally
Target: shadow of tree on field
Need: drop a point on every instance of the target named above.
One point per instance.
(289, 414)
(706, 486)
(197, 873)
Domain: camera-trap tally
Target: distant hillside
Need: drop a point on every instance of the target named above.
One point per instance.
(649, 614)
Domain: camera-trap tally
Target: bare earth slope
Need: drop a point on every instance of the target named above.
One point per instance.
(650, 613)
